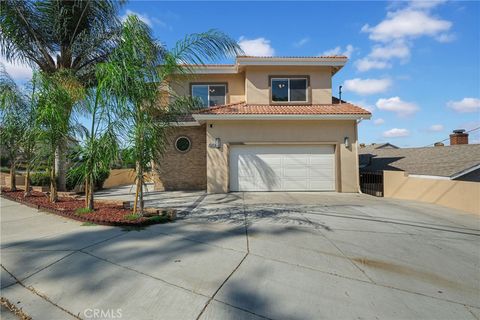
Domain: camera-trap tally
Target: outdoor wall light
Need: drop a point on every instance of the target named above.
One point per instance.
(346, 142)
(217, 144)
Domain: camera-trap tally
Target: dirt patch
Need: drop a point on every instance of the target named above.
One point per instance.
(408, 272)
(105, 213)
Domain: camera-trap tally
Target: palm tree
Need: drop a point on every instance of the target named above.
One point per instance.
(138, 70)
(53, 120)
(100, 146)
(12, 122)
(54, 35)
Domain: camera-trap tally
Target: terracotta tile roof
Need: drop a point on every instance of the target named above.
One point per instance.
(313, 109)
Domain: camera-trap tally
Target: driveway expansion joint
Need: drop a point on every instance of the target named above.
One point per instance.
(236, 268)
(41, 295)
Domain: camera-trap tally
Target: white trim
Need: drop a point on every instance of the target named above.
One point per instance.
(200, 117)
(421, 176)
(258, 61)
(185, 124)
(464, 172)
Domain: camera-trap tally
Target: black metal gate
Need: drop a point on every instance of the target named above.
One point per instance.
(371, 182)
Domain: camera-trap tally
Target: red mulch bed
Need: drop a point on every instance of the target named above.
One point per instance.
(111, 214)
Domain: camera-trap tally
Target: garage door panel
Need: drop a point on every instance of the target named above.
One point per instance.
(282, 168)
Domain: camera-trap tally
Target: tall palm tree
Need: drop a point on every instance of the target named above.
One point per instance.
(12, 122)
(137, 72)
(54, 35)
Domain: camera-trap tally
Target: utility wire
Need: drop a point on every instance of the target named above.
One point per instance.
(471, 130)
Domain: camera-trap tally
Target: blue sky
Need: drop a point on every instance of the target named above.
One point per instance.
(416, 65)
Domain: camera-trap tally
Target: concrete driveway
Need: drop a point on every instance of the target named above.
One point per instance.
(248, 256)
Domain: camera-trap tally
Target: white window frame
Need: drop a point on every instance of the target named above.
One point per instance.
(208, 91)
(288, 80)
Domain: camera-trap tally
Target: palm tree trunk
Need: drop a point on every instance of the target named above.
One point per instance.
(53, 185)
(13, 183)
(87, 187)
(138, 202)
(28, 192)
(60, 166)
(91, 205)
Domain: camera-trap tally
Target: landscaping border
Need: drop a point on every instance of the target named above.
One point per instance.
(71, 215)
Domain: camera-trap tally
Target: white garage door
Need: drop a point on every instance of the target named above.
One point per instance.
(282, 168)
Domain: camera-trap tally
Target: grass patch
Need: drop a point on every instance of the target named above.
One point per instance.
(81, 211)
(89, 224)
(132, 216)
(158, 219)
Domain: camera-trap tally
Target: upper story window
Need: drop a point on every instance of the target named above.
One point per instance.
(289, 89)
(210, 94)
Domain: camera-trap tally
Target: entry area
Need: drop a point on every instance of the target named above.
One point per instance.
(282, 168)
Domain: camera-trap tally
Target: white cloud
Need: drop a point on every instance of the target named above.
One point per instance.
(301, 42)
(149, 21)
(18, 72)
(396, 49)
(465, 105)
(378, 122)
(367, 86)
(436, 128)
(348, 51)
(256, 47)
(407, 23)
(395, 104)
(395, 33)
(396, 132)
(366, 64)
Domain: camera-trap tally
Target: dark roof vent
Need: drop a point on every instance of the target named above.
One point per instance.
(459, 131)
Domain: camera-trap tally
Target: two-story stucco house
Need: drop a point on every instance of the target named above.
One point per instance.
(269, 124)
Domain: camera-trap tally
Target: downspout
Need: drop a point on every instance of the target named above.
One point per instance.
(356, 160)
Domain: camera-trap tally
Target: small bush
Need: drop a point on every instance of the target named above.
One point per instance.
(103, 175)
(132, 217)
(5, 169)
(40, 179)
(74, 178)
(81, 211)
(88, 224)
(159, 219)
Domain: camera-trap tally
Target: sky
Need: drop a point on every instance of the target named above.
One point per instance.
(415, 65)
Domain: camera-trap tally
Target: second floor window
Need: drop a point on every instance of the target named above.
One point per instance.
(289, 89)
(210, 94)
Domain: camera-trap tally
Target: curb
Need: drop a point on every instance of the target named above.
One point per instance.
(73, 216)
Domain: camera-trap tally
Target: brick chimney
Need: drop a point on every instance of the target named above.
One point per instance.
(458, 136)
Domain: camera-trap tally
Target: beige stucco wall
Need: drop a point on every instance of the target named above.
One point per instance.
(327, 132)
(236, 85)
(257, 83)
(120, 177)
(461, 195)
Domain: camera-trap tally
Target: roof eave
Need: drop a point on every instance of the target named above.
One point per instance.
(206, 117)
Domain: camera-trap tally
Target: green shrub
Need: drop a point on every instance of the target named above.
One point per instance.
(103, 175)
(40, 179)
(74, 178)
(81, 211)
(159, 219)
(132, 216)
(5, 169)
(4, 161)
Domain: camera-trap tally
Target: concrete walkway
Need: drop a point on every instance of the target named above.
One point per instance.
(249, 256)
